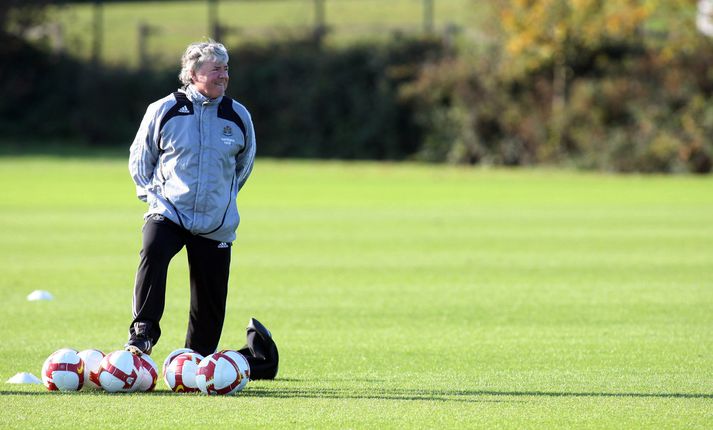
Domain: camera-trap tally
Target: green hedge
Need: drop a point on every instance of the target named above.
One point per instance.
(57, 98)
(306, 101)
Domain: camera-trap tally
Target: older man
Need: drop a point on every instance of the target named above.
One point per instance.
(193, 152)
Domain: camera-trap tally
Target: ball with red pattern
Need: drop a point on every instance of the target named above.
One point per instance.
(119, 371)
(92, 358)
(181, 373)
(243, 366)
(63, 370)
(221, 374)
(170, 357)
(148, 374)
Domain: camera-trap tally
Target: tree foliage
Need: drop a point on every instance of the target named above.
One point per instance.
(536, 31)
(619, 85)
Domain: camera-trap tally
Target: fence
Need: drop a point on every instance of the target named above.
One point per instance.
(136, 33)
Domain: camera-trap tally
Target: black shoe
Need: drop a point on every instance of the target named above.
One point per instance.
(139, 345)
(139, 342)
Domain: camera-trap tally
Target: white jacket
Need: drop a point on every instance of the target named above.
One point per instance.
(190, 157)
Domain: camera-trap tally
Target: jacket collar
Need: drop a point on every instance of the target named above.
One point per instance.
(196, 97)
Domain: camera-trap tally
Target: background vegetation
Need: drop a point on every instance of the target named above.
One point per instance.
(622, 86)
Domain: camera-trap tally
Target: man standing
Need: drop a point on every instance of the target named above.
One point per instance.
(193, 152)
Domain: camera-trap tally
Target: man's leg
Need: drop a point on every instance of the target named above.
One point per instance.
(162, 240)
(209, 263)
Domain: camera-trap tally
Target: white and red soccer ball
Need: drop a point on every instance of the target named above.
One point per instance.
(125, 372)
(223, 373)
(63, 370)
(119, 371)
(148, 374)
(180, 375)
(170, 358)
(92, 358)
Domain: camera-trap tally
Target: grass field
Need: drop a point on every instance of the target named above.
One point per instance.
(400, 295)
(177, 23)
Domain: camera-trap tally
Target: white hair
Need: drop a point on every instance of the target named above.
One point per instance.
(198, 53)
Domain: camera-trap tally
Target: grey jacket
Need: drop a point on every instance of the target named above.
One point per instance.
(190, 157)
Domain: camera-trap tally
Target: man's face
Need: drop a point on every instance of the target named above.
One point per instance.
(211, 79)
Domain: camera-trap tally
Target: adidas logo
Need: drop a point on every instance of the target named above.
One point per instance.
(184, 109)
(223, 245)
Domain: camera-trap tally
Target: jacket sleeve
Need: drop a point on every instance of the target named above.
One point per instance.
(144, 153)
(246, 158)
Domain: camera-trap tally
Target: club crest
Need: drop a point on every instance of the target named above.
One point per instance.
(227, 131)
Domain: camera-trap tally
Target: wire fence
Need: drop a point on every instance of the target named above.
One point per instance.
(139, 33)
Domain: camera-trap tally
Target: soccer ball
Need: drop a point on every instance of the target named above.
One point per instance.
(181, 373)
(243, 365)
(170, 358)
(119, 371)
(225, 372)
(63, 370)
(148, 374)
(92, 358)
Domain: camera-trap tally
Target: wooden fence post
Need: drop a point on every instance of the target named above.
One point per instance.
(97, 31)
(213, 23)
(320, 25)
(145, 31)
(428, 16)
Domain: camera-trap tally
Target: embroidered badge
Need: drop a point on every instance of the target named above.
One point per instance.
(227, 131)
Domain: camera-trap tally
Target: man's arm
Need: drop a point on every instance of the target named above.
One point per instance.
(246, 158)
(144, 154)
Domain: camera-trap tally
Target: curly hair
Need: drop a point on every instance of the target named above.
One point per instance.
(198, 53)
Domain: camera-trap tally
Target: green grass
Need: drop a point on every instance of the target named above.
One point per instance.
(179, 23)
(400, 295)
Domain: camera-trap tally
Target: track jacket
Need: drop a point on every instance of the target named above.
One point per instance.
(190, 157)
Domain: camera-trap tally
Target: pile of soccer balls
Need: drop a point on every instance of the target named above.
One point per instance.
(184, 371)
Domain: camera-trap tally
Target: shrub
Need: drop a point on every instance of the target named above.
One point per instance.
(625, 111)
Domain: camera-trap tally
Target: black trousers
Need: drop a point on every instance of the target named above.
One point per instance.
(209, 265)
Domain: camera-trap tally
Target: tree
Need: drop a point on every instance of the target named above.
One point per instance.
(548, 33)
(538, 31)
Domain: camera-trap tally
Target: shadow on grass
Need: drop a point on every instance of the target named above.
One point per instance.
(433, 395)
(446, 395)
(370, 394)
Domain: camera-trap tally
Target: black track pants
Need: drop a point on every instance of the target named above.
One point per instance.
(209, 264)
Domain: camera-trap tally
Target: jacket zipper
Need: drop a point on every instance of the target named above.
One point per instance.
(227, 208)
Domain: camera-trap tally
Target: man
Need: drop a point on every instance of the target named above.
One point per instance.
(193, 152)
